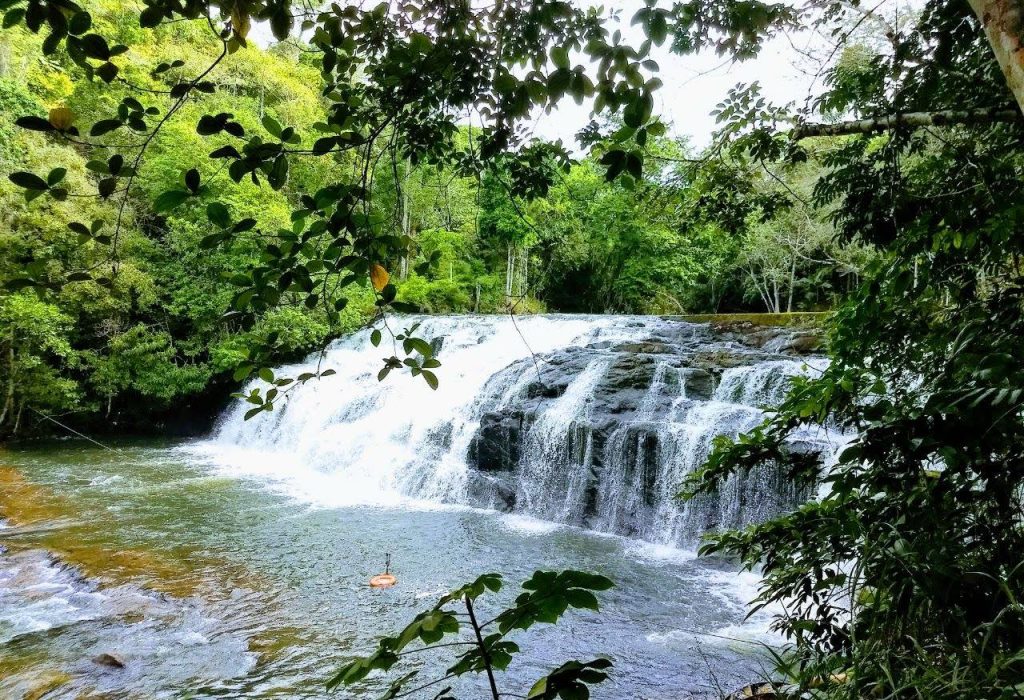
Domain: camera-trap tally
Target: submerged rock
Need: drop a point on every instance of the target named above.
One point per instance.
(108, 660)
(755, 691)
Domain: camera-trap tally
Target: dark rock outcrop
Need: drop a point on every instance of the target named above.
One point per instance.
(599, 447)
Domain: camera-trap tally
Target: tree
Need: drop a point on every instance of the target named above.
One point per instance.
(905, 579)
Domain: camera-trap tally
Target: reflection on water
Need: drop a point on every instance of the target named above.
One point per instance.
(205, 586)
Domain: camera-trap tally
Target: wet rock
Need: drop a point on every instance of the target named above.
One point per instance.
(804, 448)
(46, 685)
(492, 491)
(495, 447)
(727, 358)
(806, 344)
(755, 691)
(108, 660)
(548, 390)
(629, 372)
(646, 347)
(610, 441)
(698, 384)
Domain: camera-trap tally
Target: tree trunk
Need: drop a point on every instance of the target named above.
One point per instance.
(907, 120)
(524, 277)
(792, 283)
(403, 271)
(9, 399)
(762, 291)
(1003, 21)
(510, 272)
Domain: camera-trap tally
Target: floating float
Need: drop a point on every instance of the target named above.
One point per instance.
(385, 580)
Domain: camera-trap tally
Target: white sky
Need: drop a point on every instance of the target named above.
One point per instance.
(693, 85)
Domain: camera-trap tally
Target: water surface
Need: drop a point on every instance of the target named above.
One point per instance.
(209, 584)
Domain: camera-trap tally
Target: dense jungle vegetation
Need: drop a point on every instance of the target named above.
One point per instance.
(387, 165)
(715, 238)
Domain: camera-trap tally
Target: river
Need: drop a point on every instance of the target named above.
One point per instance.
(237, 566)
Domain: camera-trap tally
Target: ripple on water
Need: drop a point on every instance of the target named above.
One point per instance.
(47, 606)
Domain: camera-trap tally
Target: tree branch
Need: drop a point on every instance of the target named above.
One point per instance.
(911, 120)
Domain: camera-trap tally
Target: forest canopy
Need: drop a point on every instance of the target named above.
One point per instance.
(159, 315)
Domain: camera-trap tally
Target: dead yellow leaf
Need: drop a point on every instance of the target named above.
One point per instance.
(240, 23)
(61, 117)
(379, 277)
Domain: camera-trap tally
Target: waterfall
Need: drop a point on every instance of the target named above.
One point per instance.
(586, 420)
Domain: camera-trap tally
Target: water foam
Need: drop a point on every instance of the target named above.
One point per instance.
(350, 440)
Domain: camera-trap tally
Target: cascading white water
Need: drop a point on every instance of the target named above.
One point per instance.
(350, 439)
(597, 426)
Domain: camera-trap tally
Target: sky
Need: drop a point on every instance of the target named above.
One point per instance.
(693, 85)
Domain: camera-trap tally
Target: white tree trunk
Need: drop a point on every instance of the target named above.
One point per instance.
(510, 271)
(792, 283)
(1003, 21)
(524, 277)
(403, 269)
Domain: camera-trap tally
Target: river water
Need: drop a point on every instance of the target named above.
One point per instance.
(205, 574)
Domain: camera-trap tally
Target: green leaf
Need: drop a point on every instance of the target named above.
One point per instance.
(431, 378)
(34, 123)
(95, 46)
(218, 214)
(108, 71)
(105, 126)
(80, 23)
(107, 186)
(13, 17)
(150, 17)
(211, 241)
(169, 200)
(560, 56)
(30, 181)
(281, 22)
(271, 125)
(55, 176)
(192, 180)
(278, 175)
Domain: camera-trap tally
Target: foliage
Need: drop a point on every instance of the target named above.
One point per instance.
(146, 322)
(546, 596)
(264, 252)
(904, 580)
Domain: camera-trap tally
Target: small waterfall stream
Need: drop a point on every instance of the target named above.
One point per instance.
(597, 427)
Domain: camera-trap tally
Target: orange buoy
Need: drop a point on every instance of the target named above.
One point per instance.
(385, 580)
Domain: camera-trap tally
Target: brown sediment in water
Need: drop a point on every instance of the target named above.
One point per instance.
(46, 684)
(24, 503)
(24, 676)
(74, 541)
(86, 538)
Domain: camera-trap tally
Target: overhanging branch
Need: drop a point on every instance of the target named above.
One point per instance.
(910, 120)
